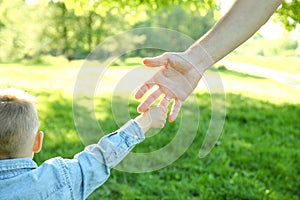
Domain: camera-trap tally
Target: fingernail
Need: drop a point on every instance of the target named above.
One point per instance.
(137, 96)
(139, 109)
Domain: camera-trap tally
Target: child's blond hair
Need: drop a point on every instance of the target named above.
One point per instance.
(18, 122)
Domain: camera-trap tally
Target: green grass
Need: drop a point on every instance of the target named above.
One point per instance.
(284, 64)
(257, 157)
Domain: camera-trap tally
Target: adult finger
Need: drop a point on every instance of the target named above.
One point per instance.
(157, 61)
(165, 102)
(143, 89)
(175, 110)
(149, 100)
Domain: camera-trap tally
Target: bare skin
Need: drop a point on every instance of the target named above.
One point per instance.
(181, 71)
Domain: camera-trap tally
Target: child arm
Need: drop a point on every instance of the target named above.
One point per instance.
(118, 144)
(97, 159)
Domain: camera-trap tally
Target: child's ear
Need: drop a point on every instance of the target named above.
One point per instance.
(37, 146)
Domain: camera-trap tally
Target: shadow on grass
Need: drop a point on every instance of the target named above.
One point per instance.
(257, 156)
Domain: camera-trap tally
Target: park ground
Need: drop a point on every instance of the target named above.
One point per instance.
(256, 157)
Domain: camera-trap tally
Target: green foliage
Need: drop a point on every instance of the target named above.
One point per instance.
(290, 44)
(289, 13)
(286, 45)
(135, 6)
(74, 28)
(183, 20)
(19, 38)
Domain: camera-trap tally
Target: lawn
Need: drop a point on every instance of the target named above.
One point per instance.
(256, 157)
(284, 64)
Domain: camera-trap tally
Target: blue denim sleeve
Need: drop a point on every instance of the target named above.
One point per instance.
(118, 144)
(97, 159)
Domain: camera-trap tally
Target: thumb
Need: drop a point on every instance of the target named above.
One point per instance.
(157, 61)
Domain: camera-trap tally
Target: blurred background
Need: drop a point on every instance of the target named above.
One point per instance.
(43, 44)
(31, 29)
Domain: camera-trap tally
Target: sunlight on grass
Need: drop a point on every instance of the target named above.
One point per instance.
(257, 88)
(284, 64)
(39, 78)
(255, 155)
(262, 89)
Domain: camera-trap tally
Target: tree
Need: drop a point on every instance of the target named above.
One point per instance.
(134, 7)
(21, 28)
(118, 15)
(74, 27)
(289, 13)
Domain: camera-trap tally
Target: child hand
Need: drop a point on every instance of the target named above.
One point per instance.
(154, 118)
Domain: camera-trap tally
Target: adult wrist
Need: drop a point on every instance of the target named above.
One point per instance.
(199, 57)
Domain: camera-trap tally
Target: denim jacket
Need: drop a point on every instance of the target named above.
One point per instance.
(75, 178)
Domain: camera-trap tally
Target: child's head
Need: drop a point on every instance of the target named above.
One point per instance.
(18, 125)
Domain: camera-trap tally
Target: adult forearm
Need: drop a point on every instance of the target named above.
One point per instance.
(241, 21)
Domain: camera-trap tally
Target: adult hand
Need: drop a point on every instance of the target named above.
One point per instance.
(176, 80)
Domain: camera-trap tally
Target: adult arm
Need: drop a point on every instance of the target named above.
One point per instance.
(240, 22)
(182, 71)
